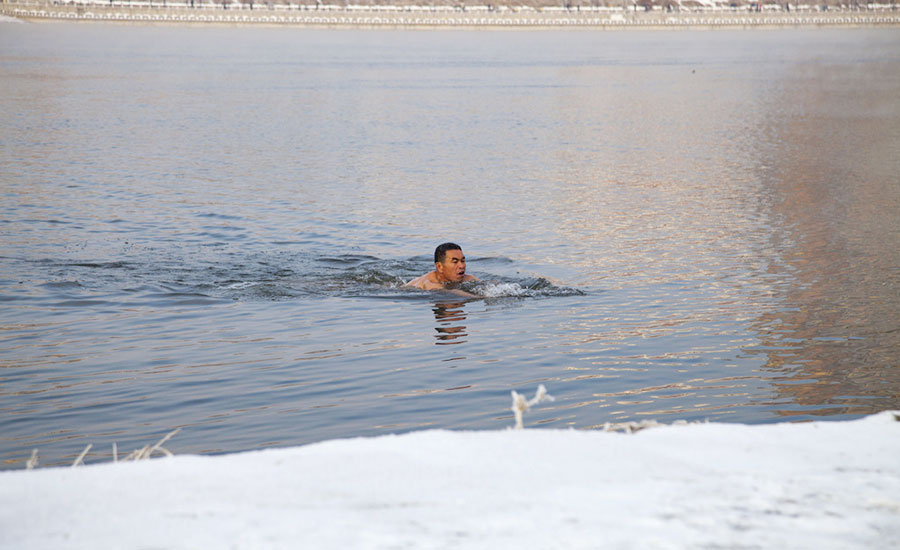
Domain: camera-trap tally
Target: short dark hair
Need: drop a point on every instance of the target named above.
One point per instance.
(441, 251)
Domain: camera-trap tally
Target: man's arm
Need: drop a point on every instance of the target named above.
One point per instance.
(458, 292)
(425, 283)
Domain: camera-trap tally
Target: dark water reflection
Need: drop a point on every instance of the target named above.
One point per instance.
(209, 228)
(449, 317)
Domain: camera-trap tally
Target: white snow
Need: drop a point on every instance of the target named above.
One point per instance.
(779, 486)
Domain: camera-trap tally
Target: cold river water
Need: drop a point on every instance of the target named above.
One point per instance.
(209, 229)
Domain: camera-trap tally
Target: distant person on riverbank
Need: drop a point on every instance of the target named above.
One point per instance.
(449, 268)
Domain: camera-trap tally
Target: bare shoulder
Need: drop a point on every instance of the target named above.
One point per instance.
(425, 282)
(470, 278)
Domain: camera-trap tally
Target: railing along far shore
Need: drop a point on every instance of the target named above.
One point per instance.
(431, 17)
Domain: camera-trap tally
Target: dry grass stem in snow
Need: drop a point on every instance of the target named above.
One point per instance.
(147, 451)
(520, 405)
(80, 458)
(33, 461)
(139, 454)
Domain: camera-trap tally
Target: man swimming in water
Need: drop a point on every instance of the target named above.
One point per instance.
(449, 267)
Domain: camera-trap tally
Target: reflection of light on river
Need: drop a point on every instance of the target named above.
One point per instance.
(832, 344)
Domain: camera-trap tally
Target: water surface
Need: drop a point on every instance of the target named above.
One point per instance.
(209, 228)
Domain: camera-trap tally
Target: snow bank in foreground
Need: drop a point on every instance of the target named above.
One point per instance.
(814, 485)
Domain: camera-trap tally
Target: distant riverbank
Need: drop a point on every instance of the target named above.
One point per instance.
(442, 17)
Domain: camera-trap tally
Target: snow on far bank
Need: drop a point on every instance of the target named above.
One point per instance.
(814, 485)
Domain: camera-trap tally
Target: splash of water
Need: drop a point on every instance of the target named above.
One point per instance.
(520, 288)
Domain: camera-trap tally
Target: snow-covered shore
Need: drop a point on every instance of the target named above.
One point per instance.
(813, 485)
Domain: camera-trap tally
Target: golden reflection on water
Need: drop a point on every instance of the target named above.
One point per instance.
(836, 342)
(801, 186)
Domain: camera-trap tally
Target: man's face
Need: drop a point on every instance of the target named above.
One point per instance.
(453, 268)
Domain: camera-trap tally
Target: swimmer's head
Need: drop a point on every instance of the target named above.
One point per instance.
(449, 263)
(441, 251)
